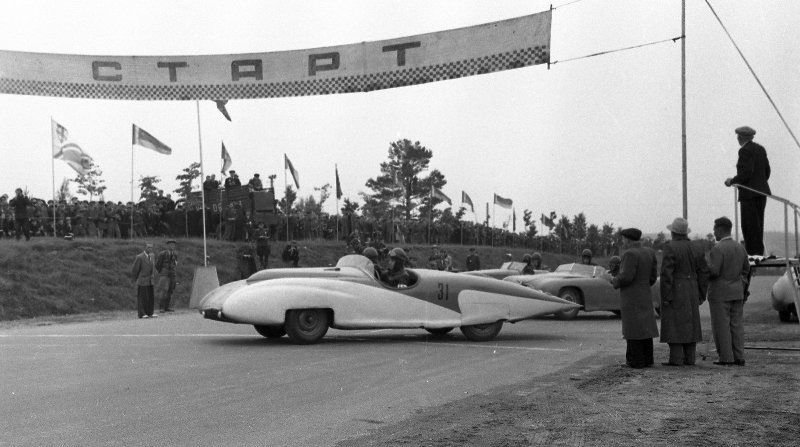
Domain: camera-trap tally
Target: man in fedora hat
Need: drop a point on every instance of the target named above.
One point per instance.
(638, 270)
(167, 268)
(684, 281)
(752, 171)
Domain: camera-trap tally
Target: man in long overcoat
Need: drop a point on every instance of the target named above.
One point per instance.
(144, 276)
(729, 269)
(684, 281)
(637, 272)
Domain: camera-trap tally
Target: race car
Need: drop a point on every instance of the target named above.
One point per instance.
(506, 269)
(784, 292)
(586, 285)
(304, 302)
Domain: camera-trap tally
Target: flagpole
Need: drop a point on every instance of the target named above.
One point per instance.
(336, 168)
(494, 213)
(430, 215)
(202, 190)
(285, 196)
(53, 172)
(132, 201)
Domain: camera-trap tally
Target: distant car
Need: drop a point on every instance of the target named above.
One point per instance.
(586, 285)
(304, 302)
(507, 269)
(783, 296)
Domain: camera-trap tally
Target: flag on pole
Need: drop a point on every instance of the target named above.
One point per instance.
(221, 107)
(70, 152)
(288, 165)
(226, 159)
(142, 138)
(338, 185)
(465, 199)
(436, 192)
(504, 203)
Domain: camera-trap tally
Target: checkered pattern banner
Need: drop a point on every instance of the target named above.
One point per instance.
(364, 67)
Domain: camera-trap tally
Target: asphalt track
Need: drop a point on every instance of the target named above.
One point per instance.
(183, 380)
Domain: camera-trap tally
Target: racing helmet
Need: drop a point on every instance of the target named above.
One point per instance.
(586, 252)
(537, 255)
(370, 253)
(398, 253)
(526, 258)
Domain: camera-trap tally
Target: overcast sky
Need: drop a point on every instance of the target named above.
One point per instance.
(600, 135)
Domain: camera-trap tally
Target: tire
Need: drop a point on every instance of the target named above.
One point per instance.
(306, 326)
(573, 295)
(270, 331)
(482, 332)
(439, 331)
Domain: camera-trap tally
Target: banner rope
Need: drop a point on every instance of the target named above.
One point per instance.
(774, 106)
(674, 39)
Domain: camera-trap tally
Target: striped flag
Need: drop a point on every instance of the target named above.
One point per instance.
(436, 192)
(338, 185)
(288, 165)
(142, 138)
(466, 199)
(70, 152)
(503, 202)
(226, 159)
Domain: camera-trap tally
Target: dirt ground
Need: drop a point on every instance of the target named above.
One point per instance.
(601, 402)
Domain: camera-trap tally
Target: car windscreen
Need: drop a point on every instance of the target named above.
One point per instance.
(581, 269)
(356, 261)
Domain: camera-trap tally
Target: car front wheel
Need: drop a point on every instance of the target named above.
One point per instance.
(571, 295)
(306, 326)
(482, 332)
(270, 331)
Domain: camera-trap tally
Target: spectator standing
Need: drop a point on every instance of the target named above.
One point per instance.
(20, 204)
(255, 183)
(233, 180)
(167, 268)
(752, 170)
(144, 276)
(684, 281)
(638, 270)
(728, 272)
(262, 245)
(473, 260)
(246, 261)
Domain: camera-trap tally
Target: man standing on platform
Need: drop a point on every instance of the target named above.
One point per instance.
(752, 171)
(728, 271)
(167, 268)
(144, 276)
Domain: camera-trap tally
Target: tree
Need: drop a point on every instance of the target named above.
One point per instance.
(399, 187)
(148, 189)
(63, 194)
(579, 227)
(289, 196)
(91, 183)
(189, 174)
(324, 193)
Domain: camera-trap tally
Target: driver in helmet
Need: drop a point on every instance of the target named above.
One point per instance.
(586, 257)
(372, 254)
(528, 269)
(397, 276)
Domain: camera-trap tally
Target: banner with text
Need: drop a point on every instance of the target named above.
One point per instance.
(361, 67)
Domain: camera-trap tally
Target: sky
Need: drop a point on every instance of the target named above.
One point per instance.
(598, 135)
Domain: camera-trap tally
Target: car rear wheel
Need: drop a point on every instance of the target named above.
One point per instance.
(270, 331)
(572, 295)
(482, 332)
(439, 331)
(306, 326)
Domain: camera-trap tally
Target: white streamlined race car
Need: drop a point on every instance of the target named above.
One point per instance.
(304, 302)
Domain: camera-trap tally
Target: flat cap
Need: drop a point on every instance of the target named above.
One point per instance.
(723, 222)
(745, 131)
(633, 234)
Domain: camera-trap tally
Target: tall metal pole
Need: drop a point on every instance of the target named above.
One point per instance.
(53, 175)
(202, 190)
(133, 204)
(683, 108)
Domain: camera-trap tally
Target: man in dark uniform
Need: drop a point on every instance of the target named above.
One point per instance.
(262, 245)
(167, 268)
(246, 260)
(752, 171)
(638, 270)
(20, 204)
(473, 260)
(684, 281)
(729, 270)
